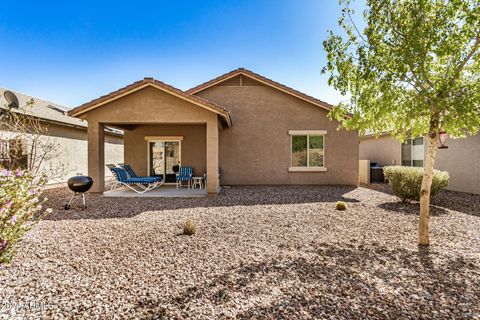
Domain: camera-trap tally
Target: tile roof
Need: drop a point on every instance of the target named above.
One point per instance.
(264, 80)
(46, 110)
(42, 109)
(155, 83)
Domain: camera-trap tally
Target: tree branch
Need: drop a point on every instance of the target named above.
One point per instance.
(355, 25)
(459, 68)
(467, 58)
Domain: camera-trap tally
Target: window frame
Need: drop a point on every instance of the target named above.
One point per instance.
(307, 133)
(411, 146)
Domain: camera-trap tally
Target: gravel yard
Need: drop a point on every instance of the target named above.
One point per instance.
(259, 252)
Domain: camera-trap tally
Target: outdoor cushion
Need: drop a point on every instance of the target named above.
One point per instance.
(143, 180)
(122, 176)
(129, 171)
(132, 173)
(185, 174)
(119, 173)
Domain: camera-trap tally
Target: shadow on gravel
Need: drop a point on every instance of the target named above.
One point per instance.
(102, 208)
(410, 208)
(467, 203)
(344, 281)
(463, 202)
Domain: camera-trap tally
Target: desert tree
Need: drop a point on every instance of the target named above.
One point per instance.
(25, 142)
(411, 68)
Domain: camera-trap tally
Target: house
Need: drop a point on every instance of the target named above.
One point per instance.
(68, 136)
(461, 159)
(239, 128)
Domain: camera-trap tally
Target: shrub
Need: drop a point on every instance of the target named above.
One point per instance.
(340, 205)
(189, 227)
(20, 206)
(406, 182)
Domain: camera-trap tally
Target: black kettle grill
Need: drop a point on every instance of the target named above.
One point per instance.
(79, 185)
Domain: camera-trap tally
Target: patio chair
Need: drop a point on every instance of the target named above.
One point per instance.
(139, 185)
(184, 174)
(132, 173)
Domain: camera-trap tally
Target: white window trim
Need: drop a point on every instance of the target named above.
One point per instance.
(308, 133)
(307, 169)
(163, 138)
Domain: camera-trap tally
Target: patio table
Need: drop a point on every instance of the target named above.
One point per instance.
(197, 181)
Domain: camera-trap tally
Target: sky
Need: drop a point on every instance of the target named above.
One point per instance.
(70, 52)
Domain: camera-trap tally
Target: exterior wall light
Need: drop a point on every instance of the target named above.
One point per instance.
(442, 137)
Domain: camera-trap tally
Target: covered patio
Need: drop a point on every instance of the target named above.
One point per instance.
(165, 191)
(163, 127)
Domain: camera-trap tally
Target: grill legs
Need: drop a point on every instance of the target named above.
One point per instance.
(83, 200)
(67, 206)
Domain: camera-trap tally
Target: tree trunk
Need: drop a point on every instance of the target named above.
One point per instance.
(423, 238)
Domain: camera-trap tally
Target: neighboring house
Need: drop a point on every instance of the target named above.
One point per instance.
(66, 133)
(461, 159)
(240, 129)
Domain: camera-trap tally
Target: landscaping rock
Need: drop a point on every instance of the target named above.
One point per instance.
(258, 253)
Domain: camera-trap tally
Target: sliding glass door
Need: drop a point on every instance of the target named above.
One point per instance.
(164, 159)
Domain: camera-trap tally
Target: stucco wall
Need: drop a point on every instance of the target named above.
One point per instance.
(256, 149)
(193, 145)
(72, 151)
(462, 161)
(148, 106)
(384, 150)
(70, 156)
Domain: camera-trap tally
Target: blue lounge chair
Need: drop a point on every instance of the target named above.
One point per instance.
(184, 174)
(132, 174)
(139, 184)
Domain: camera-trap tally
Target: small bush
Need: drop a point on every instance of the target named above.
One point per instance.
(19, 208)
(340, 205)
(406, 182)
(189, 227)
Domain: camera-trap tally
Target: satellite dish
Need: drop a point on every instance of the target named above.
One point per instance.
(11, 99)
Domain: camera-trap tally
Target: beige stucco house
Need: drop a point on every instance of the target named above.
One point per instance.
(461, 159)
(68, 135)
(239, 129)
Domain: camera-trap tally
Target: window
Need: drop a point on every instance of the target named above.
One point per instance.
(307, 150)
(413, 152)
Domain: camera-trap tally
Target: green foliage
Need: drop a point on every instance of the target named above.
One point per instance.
(414, 69)
(189, 227)
(341, 206)
(406, 182)
(20, 206)
(299, 143)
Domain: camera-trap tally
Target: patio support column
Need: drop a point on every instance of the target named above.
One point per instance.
(96, 155)
(212, 157)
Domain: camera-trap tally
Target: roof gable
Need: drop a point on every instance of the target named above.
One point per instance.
(255, 77)
(147, 82)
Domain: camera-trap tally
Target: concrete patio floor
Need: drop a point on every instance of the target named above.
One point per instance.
(166, 191)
